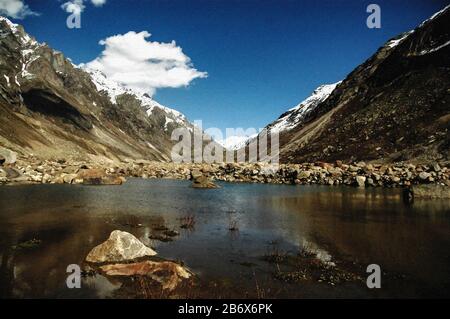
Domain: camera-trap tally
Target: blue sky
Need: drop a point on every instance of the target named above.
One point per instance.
(262, 57)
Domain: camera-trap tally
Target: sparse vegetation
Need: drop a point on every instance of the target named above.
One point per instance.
(275, 255)
(30, 244)
(187, 222)
(233, 225)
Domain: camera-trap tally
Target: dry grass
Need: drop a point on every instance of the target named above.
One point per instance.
(187, 222)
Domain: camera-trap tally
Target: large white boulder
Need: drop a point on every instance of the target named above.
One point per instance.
(120, 246)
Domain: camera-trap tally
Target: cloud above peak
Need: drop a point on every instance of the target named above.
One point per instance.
(135, 62)
(15, 9)
(98, 3)
(78, 6)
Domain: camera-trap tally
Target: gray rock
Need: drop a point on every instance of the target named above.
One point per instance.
(120, 246)
(436, 167)
(353, 169)
(304, 174)
(424, 176)
(395, 179)
(69, 178)
(12, 173)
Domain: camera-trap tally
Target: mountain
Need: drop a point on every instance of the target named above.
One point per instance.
(51, 108)
(298, 114)
(235, 142)
(288, 120)
(393, 107)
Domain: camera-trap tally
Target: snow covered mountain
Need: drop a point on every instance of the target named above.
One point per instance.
(297, 114)
(113, 90)
(235, 142)
(51, 108)
(287, 120)
(393, 107)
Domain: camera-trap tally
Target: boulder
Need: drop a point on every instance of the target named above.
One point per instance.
(120, 246)
(436, 167)
(7, 156)
(361, 181)
(196, 173)
(203, 182)
(98, 177)
(167, 273)
(106, 180)
(91, 173)
(424, 176)
(12, 173)
(304, 174)
(69, 178)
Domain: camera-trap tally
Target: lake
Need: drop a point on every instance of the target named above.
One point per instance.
(343, 226)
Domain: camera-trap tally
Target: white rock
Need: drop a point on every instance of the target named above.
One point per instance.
(120, 246)
(361, 181)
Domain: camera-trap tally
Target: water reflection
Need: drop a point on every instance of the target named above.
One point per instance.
(367, 226)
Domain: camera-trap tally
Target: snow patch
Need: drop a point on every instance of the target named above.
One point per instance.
(7, 79)
(434, 16)
(114, 89)
(298, 113)
(395, 42)
(423, 52)
(236, 142)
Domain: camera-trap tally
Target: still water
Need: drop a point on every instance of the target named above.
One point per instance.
(411, 243)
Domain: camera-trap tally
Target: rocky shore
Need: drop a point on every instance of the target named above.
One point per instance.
(61, 171)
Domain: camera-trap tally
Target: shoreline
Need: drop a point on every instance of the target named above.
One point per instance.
(358, 174)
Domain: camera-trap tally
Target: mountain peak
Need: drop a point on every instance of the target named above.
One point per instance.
(295, 115)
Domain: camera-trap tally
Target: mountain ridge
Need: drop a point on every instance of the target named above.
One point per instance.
(52, 108)
(392, 107)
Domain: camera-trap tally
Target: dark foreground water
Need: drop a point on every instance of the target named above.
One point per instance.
(411, 243)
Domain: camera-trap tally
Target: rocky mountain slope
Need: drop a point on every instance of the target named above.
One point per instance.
(393, 107)
(52, 108)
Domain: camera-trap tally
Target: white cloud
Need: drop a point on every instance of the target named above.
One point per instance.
(78, 6)
(137, 63)
(73, 6)
(98, 3)
(16, 9)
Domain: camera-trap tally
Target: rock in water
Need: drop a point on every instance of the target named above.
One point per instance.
(195, 173)
(167, 273)
(120, 246)
(361, 181)
(203, 182)
(98, 177)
